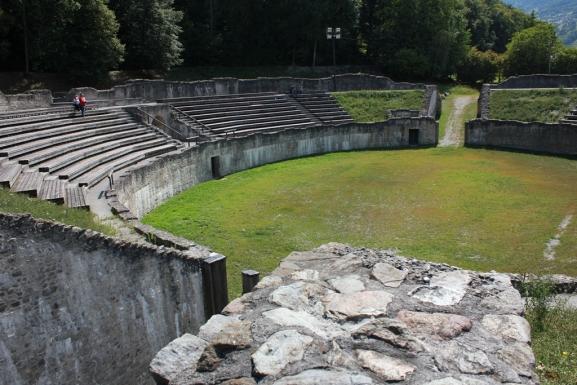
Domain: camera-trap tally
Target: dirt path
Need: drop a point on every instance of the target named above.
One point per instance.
(454, 132)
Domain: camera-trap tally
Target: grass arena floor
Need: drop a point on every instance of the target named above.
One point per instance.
(477, 209)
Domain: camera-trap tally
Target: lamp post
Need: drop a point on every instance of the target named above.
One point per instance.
(334, 34)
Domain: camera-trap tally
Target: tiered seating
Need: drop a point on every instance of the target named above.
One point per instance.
(325, 107)
(570, 118)
(244, 113)
(56, 156)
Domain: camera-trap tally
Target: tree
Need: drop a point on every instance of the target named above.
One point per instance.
(401, 30)
(479, 66)
(92, 46)
(565, 61)
(492, 23)
(150, 29)
(532, 51)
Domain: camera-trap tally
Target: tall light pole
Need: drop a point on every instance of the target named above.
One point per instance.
(334, 34)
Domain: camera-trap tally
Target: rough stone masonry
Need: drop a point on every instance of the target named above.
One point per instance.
(342, 316)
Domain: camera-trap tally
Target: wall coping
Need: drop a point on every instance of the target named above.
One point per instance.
(92, 239)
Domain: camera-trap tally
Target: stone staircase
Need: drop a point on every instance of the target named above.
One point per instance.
(324, 107)
(570, 118)
(57, 156)
(242, 114)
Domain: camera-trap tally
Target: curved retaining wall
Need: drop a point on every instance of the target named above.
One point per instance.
(77, 307)
(145, 188)
(556, 139)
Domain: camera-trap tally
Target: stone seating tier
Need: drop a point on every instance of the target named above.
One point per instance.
(56, 156)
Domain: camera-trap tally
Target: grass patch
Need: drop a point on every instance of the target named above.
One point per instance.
(370, 106)
(476, 209)
(454, 92)
(543, 105)
(555, 346)
(21, 204)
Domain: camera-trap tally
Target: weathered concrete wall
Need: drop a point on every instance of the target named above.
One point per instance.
(77, 307)
(161, 89)
(432, 102)
(538, 81)
(483, 103)
(558, 139)
(32, 99)
(145, 188)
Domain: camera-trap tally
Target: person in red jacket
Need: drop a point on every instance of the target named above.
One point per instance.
(82, 103)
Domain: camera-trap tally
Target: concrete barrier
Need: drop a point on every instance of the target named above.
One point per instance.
(78, 307)
(145, 188)
(545, 138)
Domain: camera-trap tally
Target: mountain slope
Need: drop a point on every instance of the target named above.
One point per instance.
(562, 13)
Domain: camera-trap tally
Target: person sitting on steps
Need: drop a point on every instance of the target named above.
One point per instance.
(82, 103)
(76, 103)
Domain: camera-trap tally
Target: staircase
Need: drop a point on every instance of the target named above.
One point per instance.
(58, 156)
(570, 118)
(324, 107)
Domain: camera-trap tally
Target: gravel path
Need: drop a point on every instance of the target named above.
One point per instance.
(454, 132)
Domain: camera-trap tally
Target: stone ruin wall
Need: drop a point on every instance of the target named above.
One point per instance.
(139, 90)
(144, 188)
(340, 315)
(544, 138)
(536, 137)
(77, 307)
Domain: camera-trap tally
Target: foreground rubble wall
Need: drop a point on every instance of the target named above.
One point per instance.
(340, 315)
(77, 307)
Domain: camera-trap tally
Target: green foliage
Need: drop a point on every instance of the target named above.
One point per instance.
(479, 66)
(555, 346)
(20, 204)
(65, 35)
(150, 29)
(539, 294)
(477, 209)
(492, 24)
(440, 35)
(565, 61)
(531, 51)
(537, 105)
(370, 106)
(92, 47)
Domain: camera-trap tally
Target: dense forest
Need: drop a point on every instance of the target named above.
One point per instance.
(433, 39)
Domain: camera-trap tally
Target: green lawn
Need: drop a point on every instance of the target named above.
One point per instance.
(455, 91)
(544, 105)
(370, 106)
(21, 204)
(476, 209)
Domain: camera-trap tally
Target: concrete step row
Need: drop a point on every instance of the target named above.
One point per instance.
(55, 157)
(37, 184)
(325, 107)
(39, 112)
(245, 112)
(48, 117)
(212, 98)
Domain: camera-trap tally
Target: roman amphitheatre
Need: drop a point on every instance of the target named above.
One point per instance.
(394, 200)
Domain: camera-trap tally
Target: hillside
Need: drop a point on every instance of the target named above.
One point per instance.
(562, 13)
